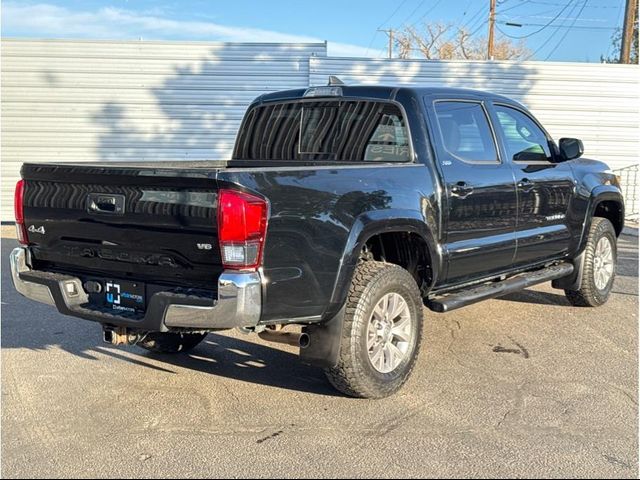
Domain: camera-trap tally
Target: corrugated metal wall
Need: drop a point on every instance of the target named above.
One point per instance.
(98, 100)
(598, 103)
(95, 100)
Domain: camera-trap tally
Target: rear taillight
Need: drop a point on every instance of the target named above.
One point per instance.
(242, 224)
(18, 206)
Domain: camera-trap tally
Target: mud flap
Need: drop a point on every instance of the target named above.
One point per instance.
(324, 342)
(573, 281)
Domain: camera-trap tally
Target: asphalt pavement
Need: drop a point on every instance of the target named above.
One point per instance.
(522, 386)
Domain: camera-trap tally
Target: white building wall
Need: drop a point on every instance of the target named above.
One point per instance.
(88, 101)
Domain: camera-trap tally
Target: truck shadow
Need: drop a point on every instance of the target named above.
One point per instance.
(217, 355)
(245, 361)
(537, 298)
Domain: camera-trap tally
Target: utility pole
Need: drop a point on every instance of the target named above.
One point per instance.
(390, 34)
(492, 21)
(627, 31)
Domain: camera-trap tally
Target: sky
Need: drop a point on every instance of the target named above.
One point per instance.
(555, 30)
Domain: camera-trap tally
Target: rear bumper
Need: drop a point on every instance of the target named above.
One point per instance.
(239, 301)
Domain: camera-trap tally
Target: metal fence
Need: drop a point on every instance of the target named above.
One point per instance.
(629, 183)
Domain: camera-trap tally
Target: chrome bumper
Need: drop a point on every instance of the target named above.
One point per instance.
(239, 302)
(239, 305)
(34, 291)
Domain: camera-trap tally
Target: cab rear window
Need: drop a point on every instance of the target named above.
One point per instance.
(352, 131)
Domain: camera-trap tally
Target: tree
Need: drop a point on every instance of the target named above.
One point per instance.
(616, 42)
(446, 42)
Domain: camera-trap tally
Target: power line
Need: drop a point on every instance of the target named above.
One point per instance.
(479, 27)
(519, 37)
(435, 5)
(382, 53)
(471, 21)
(559, 4)
(413, 12)
(382, 24)
(575, 27)
(466, 9)
(515, 6)
(553, 34)
(393, 14)
(438, 2)
(371, 42)
(598, 20)
(532, 15)
(474, 20)
(567, 31)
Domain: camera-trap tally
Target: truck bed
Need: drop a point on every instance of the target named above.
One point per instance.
(170, 208)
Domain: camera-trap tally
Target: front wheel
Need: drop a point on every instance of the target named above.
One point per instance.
(381, 333)
(599, 270)
(171, 342)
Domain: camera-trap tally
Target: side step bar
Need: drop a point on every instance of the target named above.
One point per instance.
(468, 296)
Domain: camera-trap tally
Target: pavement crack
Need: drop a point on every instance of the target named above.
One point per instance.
(625, 394)
(523, 351)
(504, 418)
(231, 393)
(269, 437)
(520, 350)
(453, 333)
(616, 462)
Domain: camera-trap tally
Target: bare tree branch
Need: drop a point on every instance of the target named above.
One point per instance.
(463, 37)
(436, 41)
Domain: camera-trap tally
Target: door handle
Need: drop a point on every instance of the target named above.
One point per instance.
(461, 190)
(525, 185)
(105, 203)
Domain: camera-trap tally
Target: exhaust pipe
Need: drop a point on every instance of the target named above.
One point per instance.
(119, 336)
(288, 338)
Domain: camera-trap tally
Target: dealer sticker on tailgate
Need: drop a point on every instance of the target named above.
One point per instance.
(124, 296)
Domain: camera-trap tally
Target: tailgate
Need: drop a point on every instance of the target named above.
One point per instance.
(124, 221)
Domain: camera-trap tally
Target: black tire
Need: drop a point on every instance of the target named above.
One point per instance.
(171, 342)
(355, 375)
(589, 295)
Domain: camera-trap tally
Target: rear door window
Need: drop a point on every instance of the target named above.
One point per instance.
(354, 131)
(465, 131)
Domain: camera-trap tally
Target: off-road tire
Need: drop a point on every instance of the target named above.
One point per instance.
(354, 374)
(170, 342)
(589, 295)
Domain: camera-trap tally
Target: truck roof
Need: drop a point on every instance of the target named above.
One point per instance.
(386, 92)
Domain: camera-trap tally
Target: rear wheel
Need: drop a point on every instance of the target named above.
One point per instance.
(381, 334)
(171, 342)
(599, 269)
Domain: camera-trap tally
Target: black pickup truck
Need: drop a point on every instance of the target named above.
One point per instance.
(344, 210)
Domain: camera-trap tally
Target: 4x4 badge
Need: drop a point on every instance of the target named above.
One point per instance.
(33, 229)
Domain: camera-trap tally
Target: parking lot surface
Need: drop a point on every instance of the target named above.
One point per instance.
(520, 386)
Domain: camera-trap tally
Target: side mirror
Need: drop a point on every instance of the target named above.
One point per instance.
(571, 148)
